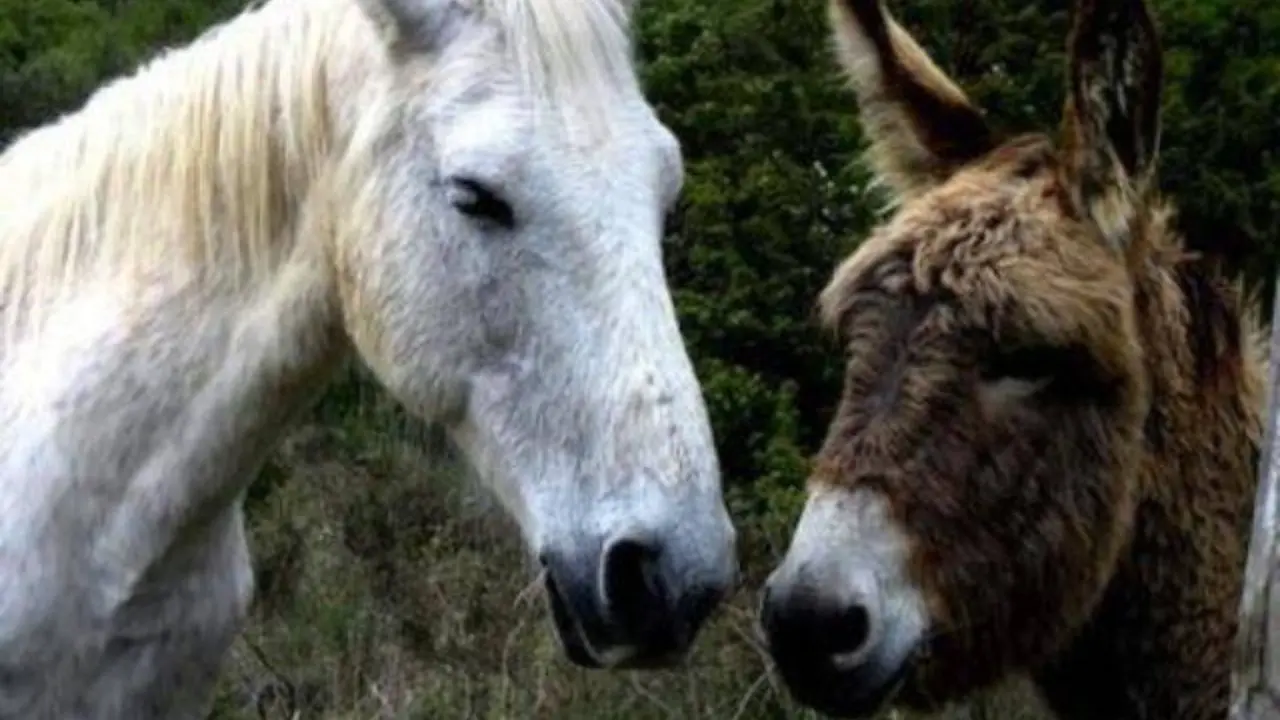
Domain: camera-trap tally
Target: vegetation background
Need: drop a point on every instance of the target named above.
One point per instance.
(389, 588)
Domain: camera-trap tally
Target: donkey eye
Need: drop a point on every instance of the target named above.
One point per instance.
(1033, 363)
(477, 200)
(1067, 373)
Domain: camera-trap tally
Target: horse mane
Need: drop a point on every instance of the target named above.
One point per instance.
(201, 153)
(570, 48)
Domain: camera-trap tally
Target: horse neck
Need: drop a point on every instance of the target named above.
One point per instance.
(169, 238)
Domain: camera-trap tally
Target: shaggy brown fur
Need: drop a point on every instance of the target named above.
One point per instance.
(1061, 404)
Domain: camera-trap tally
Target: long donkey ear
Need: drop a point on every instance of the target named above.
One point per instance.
(921, 126)
(414, 26)
(1111, 125)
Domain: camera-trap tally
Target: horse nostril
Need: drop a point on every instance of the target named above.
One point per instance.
(632, 587)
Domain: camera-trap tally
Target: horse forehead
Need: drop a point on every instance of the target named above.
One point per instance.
(511, 129)
(610, 166)
(626, 163)
(604, 130)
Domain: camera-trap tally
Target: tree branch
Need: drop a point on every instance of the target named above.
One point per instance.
(1256, 676)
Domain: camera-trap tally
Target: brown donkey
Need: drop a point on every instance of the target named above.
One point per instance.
(1043, 461)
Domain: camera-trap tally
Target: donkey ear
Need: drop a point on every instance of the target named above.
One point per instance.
(414, 26)
(921, 126)
(1111, 125)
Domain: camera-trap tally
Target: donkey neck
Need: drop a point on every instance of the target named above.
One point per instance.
(1167, 622)
(1206, 382)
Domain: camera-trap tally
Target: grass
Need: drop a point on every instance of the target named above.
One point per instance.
(389, 587)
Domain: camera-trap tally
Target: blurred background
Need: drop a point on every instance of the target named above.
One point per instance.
(389, 587)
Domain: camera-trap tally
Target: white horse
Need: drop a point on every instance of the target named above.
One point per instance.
(469, 195)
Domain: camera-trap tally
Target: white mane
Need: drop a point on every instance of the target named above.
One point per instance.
(197, 159)
(579, 47)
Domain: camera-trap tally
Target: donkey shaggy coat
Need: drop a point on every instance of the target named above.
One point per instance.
(1044, 458)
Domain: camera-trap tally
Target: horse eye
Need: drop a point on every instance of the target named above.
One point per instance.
(477, 200)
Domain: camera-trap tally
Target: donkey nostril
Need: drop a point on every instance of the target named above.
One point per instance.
(799, 625)
(850, 631)
(632, 589)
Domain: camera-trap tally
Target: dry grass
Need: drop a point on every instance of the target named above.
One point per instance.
(389, 589)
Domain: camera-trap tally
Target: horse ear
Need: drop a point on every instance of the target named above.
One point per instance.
(416, 26)
(921, 126)
(1111, 123)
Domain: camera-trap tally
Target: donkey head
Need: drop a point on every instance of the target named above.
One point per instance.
(981, 473)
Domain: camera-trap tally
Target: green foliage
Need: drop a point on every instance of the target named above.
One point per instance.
(770, 204)
(53, 53)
